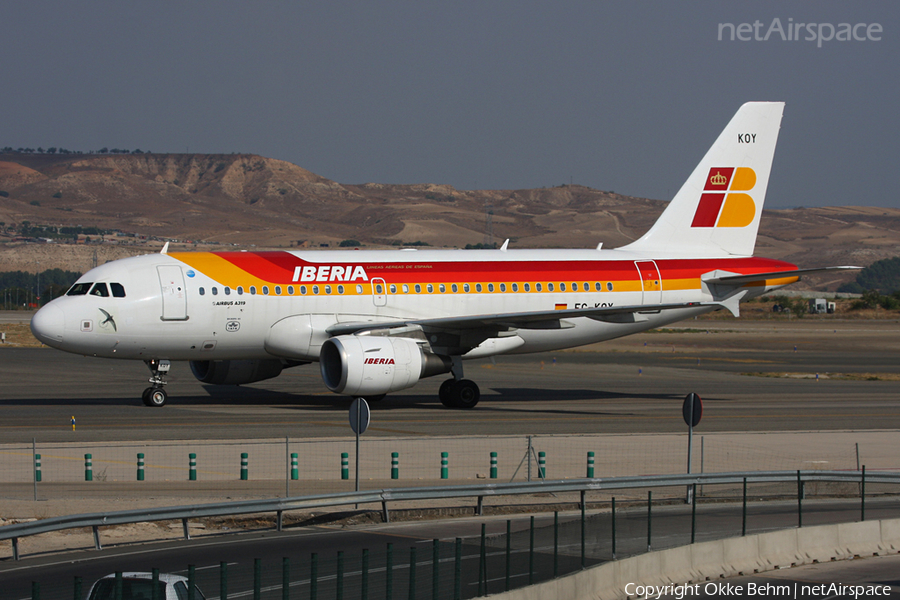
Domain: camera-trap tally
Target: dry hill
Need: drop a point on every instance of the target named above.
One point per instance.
(250, 200)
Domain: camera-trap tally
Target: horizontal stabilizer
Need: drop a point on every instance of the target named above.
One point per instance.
(761, 277)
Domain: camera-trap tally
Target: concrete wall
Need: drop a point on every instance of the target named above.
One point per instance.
(708, 561)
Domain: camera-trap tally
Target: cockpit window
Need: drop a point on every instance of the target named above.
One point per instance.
(118, 290)
(100, 289)
(79, 289)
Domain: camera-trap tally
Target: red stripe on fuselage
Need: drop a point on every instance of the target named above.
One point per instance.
(279, 268)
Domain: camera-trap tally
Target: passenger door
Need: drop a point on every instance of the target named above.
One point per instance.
(174, 297)
(650, 281)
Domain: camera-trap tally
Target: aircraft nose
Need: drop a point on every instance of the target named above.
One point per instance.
(47, 325)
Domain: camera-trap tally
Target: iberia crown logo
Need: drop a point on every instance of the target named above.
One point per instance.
(720, 205)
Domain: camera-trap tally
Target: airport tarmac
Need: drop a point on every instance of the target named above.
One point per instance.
(800, 375)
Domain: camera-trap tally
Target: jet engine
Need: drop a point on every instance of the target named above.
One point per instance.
(235, 372)
(373, 365)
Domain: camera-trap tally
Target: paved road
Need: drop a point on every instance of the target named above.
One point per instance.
(633, 385)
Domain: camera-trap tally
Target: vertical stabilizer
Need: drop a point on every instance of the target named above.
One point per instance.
(717, 210)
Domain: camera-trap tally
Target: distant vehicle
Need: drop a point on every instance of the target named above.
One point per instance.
(818, 306)
(139, 586)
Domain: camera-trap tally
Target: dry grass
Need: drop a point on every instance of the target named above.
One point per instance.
(839, 376)
(18, 335)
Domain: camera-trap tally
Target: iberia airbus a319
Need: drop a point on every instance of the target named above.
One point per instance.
(379, 321)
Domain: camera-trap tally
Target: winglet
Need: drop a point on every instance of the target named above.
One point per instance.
(165, 248)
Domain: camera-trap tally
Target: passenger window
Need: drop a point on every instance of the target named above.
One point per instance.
(215, 291)
(379, 289)
(430, 289)
(478, 287)
(277, 290)
(315, 289)
(538, 287)
(598, 287)
(290, 290)
(202, 292)
(443, 288)
(393, 289)
(562, 287)
(252, 290)
(100, 289)
(515, 287)
(265, 290)
(359, 289)
(240, 290)
(227, 291)
(609, 285)
(549, 287)
(340, 289)
(118, 291)
(587, 288)
(327, 289)
(405, 288)
(418, 288)
(455, 288)
(490, 287)
(502, 287)
(466, 288)
(527, 287)
(303, 290)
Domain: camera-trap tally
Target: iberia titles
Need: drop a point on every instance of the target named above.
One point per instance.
(330, 273)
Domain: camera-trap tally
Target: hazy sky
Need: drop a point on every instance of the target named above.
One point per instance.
(624, 96)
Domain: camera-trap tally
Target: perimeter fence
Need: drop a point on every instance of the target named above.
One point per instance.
(291, 467)
(514, 554)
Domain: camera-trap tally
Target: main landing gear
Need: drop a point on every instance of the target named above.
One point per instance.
(155, 395)
(462, 393)
(459, 392)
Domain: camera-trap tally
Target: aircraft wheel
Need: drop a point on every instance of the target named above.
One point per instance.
(444, 393)
(464, 394)
(155, 397)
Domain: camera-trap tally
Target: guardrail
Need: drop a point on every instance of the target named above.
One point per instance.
(280, 505)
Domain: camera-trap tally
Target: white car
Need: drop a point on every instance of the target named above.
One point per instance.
(138, 586)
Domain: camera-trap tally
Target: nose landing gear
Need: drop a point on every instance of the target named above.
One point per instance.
(155, 395)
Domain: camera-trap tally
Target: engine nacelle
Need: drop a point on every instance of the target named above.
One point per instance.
(235, 372)
(367, 365)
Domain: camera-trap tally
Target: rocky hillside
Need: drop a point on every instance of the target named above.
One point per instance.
(250, 200)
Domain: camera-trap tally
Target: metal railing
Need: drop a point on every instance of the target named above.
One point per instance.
(385, 496)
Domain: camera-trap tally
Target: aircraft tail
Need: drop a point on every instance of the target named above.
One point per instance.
(716, 212)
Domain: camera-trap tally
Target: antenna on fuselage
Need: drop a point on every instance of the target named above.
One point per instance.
(165, 248)
(505, 245)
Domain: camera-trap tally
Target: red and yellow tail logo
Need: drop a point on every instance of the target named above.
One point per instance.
(719, 205)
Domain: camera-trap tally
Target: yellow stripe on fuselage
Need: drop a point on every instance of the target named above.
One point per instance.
(218, 268)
